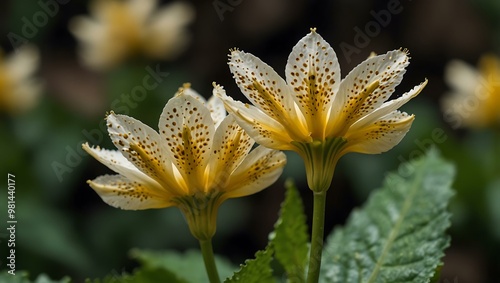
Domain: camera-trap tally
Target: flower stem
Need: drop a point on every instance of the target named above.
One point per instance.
(318, 228)
(208, 258)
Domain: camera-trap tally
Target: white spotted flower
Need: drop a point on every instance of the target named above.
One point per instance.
(474, 100)
(199, 158)
(314, 112)
(120, 29)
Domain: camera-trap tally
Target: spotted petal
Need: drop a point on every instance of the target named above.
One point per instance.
(259, 169)
(216, 107)
(313, 72)
(389, 106)
(231, 145)
(187, 129)
(186, 89)
(380, 136)
(258, 125)
(118, 191)
(142, 147)
(365, 88)
(266, 90)
(115, 161)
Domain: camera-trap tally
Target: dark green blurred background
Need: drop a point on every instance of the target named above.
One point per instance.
(65, 229)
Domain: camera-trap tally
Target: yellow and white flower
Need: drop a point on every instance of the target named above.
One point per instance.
(475, 97)
(199, 158)
(19, 91)
(317, 114)
(121, 29)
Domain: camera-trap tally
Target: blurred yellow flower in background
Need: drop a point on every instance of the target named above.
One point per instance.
(19, 91)
(317, 114)
(474, 100)
(121, 29)
(199, 158)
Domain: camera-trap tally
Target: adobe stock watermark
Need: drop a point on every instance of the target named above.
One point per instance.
(39, 19)
(372, 29)
(438, 136)
(223, 6)
(454, 116)
(462, 110)
(122, 105)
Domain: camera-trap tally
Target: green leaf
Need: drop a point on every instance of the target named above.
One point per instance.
(437, 274)
(290, 237)
(256, 270)
(399, 235)
(188, 266)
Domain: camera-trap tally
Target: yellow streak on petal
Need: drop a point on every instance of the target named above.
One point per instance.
(293, 125)
(229, 152)
(156, 166)
(118, 191)
(267, 132)
(354, 105)
(191, 161)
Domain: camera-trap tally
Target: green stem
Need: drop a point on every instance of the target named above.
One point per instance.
(318, 229)
(208, 258)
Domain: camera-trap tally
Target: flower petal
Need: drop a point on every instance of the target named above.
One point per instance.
(187, 129)
(23, 63)
(20, 91)
(216, 107)
(389, 106)
(265, 89)
(142, 146)
(313, 72)
(380, 136)
(214, 104)
(365, 88)
(166, 34)
(186, 89)
(141, 9)
(462, 77)
(97, 50)
(263, 129)
(259, 170)
(118, 191)
(231, 145)
(114, 160)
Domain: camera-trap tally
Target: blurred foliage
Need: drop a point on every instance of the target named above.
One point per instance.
(22, 277)
(188, 266)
